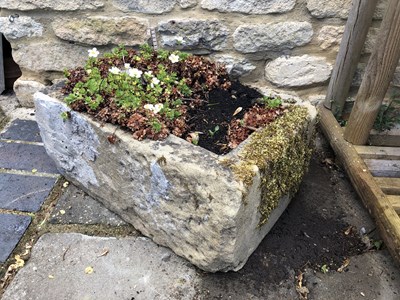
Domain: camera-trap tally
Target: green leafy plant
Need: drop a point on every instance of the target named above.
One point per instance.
(388, 116)
(214, 131)
(271, 102)
(65, 115)
(144, 91)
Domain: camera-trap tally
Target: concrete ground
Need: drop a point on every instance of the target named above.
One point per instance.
(70, 247)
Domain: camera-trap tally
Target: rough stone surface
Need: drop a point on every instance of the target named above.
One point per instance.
(77, 207)
(200, 35)
(329, 9)
(134, 268)
(145, 6)
(20, 27)
(52, 56)
(24, 90)
(25, 157)
(187, 3)
(329, 37)
(51, 4)
(24, 193)
(181, 195)
(298, 71)
(249, 6)
(236, 67)
(12, 227)
(272, 36)
(22, 130)
(101, 30)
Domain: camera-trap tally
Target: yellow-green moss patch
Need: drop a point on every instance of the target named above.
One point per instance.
(281, 151)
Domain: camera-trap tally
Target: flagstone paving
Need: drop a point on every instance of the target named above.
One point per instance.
(27, 175)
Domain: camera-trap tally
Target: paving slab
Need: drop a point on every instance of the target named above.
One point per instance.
(12, 227)
(25, 157)
(369, 276)
(76, 207)
(24, 193)
(71, 266)
(23, 130)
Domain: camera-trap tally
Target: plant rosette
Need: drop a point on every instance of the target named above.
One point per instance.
(210, 208)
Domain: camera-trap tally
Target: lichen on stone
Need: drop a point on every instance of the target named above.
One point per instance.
(281, 152)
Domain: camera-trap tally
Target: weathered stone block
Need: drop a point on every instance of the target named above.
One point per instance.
(101, 30)
(329, 9)
(24, 90)
(212, 210)
(272, 36)
(20, 27)
(298, 71)
(236, 67)
(51, 4)
(187, 3)
(329, 37)
(145, 6)
(203, 36)
(249, 7)
(50, 56)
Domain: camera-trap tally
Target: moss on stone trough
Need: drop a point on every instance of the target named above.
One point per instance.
(281, 151)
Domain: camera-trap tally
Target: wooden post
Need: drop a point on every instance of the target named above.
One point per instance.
(378, 74)
(2, 80)
(352, 43)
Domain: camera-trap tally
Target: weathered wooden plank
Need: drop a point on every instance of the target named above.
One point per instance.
(372, 196)
(389, 138)
(383, 167)
(378, 74)
(395, 201)
(390, 186)
(375, 152)
(352, 43)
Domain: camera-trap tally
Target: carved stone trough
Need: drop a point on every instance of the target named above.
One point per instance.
(213, 210)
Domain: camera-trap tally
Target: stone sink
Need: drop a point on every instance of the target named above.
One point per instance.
(214, 210)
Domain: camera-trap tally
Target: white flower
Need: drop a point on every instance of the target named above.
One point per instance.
(154, 81)
(149, 107)
(127, 66)
(148, 73)
(179, 40)
(135, 73)
(114, 70)
(157, 107)
(173, 58)
(93, 52)
(154, 108)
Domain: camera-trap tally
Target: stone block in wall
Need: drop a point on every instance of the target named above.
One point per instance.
(272, 36)
(236, 67)
(48, 56)
(339, 8)
(297, 71)
(145, 6)
(187, 3)
(60, 5)
(24, 90)
(359, 74)
(249, 6)
(202, 36)
(20, 27)
(329, 9)
(102, 30)
(329, 37)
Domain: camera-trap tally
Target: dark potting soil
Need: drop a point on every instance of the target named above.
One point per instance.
(212, 119)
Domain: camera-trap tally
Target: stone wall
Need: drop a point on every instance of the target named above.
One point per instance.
(287, 45)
